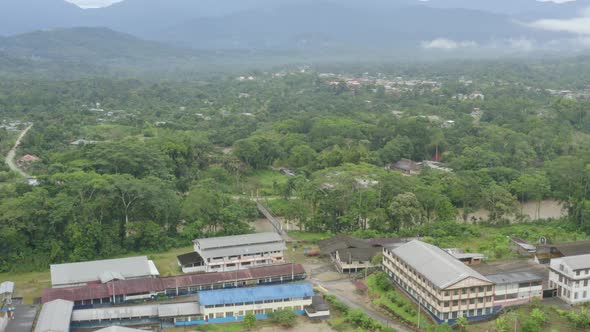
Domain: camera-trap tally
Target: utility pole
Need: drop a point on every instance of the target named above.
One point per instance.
(419, 302)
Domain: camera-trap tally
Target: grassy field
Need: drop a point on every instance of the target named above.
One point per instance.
(521, 314)
(30, 285)
(264, 182)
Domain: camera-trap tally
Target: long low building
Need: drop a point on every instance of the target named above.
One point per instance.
(230, 305)
(119, 291)
(103, 271)
(515, 288)
(55, 316)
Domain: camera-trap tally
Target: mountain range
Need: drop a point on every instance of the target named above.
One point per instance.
(301, 24)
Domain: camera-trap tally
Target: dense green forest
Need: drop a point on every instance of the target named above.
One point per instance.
(168, 161)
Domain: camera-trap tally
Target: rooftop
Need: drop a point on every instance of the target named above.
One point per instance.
(357, 254)
(7, 287)
(435, 264)
(252, 294)
(340, 242)
(238, 240)
(189, 258)
(514, 277)
(576, 262)
(55, 316)
(567, 248)
(75, 273)
(145, 285)
(119, 329)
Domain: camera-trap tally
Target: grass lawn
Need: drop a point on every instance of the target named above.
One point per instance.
(264, 182)
(555, 322)
(308, 237)
(166, 262)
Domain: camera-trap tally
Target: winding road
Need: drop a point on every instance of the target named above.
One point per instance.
(12, 153)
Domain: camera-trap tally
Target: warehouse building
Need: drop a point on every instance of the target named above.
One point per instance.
(516, 288)
(546, 252)
(350, 254)
(230, 253)
(103, 271)
(55, 316)
(229, 305)
(120, 291)
(445, 287)
(571, 277)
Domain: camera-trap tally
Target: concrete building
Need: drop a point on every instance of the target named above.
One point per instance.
(230, 253)
(229, 305)
(103, 271)
(571, 277)
(318, 309)
(446, 288)
(516, 288)
(55, 316)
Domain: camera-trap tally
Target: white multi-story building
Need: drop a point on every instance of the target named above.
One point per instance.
(571, 277)
(230, 253)
(446, 288)
(515, 288)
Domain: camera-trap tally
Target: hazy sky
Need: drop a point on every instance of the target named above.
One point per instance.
(103, 3)
(93, 3)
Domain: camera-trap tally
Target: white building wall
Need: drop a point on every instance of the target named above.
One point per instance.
(573, 286)
(256, 308)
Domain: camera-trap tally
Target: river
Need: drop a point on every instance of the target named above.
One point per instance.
(549, 209)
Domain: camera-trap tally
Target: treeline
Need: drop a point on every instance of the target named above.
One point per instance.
(172, 158)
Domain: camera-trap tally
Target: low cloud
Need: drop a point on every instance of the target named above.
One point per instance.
(93, 3)
(577, 25)
(447, 44)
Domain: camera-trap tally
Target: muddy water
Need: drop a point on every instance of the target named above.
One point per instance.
(549, 209)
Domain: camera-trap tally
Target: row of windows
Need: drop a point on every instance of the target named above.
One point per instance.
(241, 313)
(570, 282)
(257, 302)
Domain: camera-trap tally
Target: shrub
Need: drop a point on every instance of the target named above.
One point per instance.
(285, 318)
(249, 321)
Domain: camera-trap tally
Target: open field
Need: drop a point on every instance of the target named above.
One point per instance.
(29, 285)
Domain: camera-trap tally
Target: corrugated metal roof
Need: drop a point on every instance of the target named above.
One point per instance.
(146, 285)
(252, 294)
(338, 242)
(7, 287)
(247, 274)
(128, 312)
(243, 249)
(514, 277)
(74, 273)
(119, 329)
(577, 262)
(435, 264)
(115, 313)
(189, 258)
(238, 240)
(55, 316)
(179, 309)
(357, 254)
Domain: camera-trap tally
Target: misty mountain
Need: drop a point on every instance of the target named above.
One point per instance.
(96, 45)
(293, 24)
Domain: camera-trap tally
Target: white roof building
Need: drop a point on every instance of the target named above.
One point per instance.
(72, 274)
(55, 316)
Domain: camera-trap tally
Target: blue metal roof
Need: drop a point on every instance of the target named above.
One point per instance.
(252, 294)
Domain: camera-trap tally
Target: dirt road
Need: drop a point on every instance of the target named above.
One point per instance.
(345, 292)
(12, 153)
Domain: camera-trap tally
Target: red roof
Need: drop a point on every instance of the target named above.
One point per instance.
(147, 285)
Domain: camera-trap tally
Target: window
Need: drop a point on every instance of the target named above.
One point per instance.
(463, 302)
(471, 301)
(575, 295)
(585, 283)
(455, 303)
(456, 292)
(577, 273)
(585, 294)
(481, 289)
(446, 304)
(480, 300)
(523, 285)
(464, 291)
(489, 288)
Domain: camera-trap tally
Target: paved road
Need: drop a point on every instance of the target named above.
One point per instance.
(347, 299)
(11, 154)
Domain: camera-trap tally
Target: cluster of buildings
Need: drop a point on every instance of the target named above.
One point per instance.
(13, 126)
(393, 86)
(227, 278)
